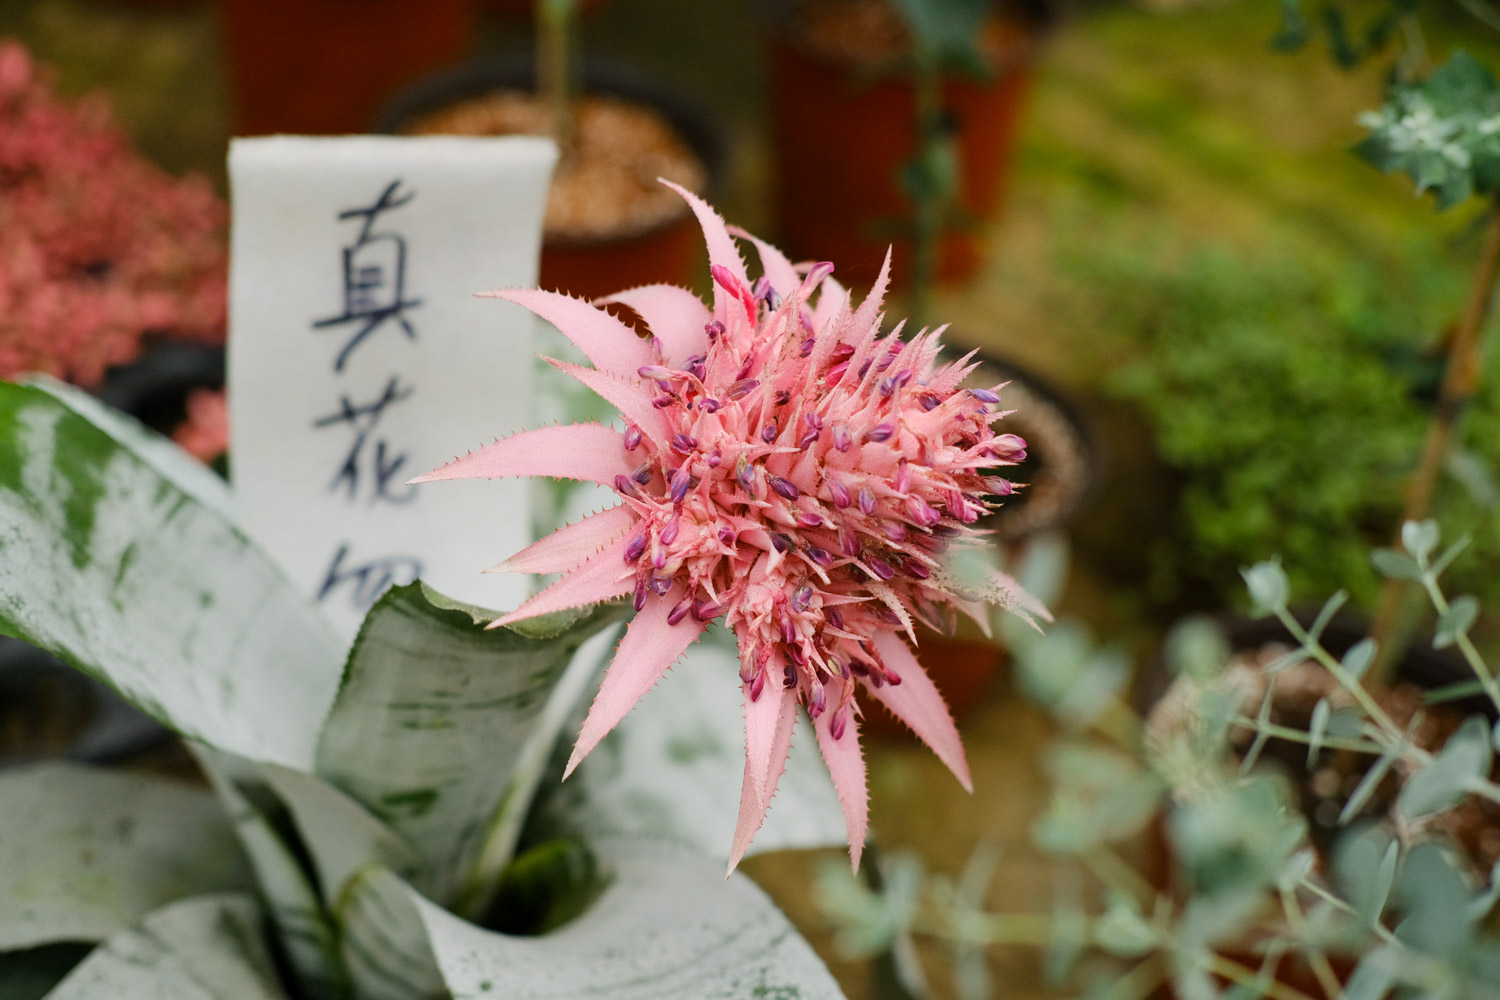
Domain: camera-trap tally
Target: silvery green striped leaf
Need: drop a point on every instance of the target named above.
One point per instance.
(124, 573)
(672, 769)
(668, 927)
(203, 948)
(86, 851)
(433, 713)
(384, 941)
(286, 883)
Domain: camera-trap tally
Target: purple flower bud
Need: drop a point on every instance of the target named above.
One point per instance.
(726, 535)
(694, 366)
(714, 329)
(784, 487)
(840, 493)
(757, 685)
(880, 567)
(866, 500)
(880, 432)
(894, 530)
(741, 389)
(835, 617)
(807, 347)
(813, 420)
(889, 359)
(781, 543)
(817, 704)
(842, 439)
(888, 616)
(985, 395)
(864, 369)
(683, 444)
(654, 372)
(922, 512)
(802, 599)
(680, 482)
(669, 533)
(662, 402)
(726, 280)
(660, 585)
(642, 473)
(885, 386)
(904, 378)
(859, 668)
(745, 475)
(875, 679)
(810, 519)
(640, 592)
(632, 437)
(680, 610)
(625, 486)
(929, 401)
(820, 556)
(808, 438)
(748, 671)
(836, 373)
(916, 570)
(761, 288)
(818, 272)
(788, 629)
(707, 611)
(768, 432)
(635, 548)
(903, 477)
(891, 677)
(709, 405)
(848, 543)
(837, 725)
(782, 397)
(789, 676)
(1007, 447)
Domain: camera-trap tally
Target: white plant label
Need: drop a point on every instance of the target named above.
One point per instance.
(359, 356)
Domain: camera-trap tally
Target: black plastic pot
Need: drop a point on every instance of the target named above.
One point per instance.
(50, 710)
(154, 388)
(669, 251)
(1062, 465)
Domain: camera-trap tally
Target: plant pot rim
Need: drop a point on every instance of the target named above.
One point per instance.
(1050, 393)
(1035, 24)
(516, 70)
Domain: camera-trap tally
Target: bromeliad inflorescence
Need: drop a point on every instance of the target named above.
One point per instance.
(783, 467)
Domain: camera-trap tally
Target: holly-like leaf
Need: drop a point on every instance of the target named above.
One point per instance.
(430, 721)
(114, 564)
(204, 948)
(86, 851)
(1443, 132)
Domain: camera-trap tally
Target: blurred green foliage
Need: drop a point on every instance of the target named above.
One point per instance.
(1292, 401)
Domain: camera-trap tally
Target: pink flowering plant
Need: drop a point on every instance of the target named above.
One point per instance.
(100, 251)
(788, 469)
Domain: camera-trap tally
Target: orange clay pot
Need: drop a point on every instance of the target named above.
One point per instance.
(326, 67)
(840, 139)
(671, 252)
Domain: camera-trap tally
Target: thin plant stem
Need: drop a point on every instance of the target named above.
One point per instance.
(1346, 680)
(1376, 927)
(1111, 869)
(1301, 736)
(1239, 974)
(1297, 921)
(554, 73)
(1464, 643)
(1460, 380)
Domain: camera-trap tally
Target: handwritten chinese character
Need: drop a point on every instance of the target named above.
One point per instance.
(386, 461)
(374, 276)
(367, 580)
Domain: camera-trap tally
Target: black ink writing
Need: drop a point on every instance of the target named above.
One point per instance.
(370, 457)
(368, 580)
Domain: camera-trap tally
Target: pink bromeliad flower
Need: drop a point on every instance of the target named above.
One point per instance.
(782, 467)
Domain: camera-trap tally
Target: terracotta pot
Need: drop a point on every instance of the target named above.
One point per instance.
(323, 67)
(842, 135)
(669, 252)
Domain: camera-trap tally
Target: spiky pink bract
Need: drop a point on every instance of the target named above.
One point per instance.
(785, 468)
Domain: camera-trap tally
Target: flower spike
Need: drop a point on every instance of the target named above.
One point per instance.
(788, 469)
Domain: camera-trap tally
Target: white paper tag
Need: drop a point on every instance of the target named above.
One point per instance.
(359, 356)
